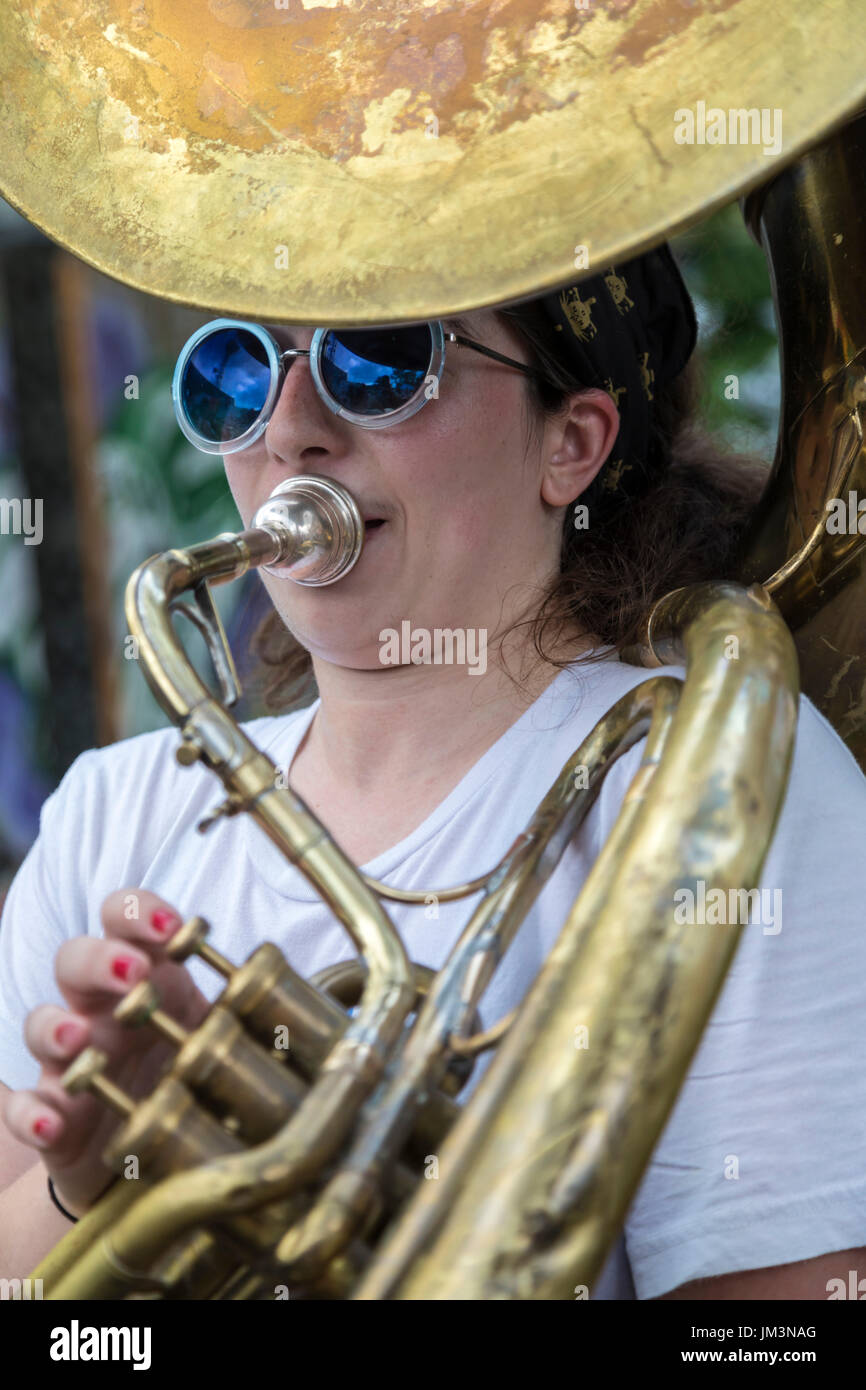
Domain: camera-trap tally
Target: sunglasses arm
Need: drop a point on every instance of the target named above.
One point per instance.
(489, 352)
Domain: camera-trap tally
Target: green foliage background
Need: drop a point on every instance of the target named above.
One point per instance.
(728, 277)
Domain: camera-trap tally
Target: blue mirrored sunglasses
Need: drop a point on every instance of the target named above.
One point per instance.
(229, 373)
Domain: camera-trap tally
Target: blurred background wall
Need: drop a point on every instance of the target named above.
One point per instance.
(87, 426)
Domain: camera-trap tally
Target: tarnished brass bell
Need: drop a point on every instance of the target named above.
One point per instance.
(347, 164)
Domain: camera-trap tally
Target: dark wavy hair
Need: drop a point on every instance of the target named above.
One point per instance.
(687, 527)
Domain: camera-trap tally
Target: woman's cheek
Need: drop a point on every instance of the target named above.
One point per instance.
(244, 477)
(237, 494)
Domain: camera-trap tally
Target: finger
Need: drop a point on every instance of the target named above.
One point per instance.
(61, 1140)
(54, 1036)
(93, 974)
(138, 916)
(33, 1120)
(134, 914)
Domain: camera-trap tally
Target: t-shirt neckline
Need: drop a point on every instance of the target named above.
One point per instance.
(282, 745)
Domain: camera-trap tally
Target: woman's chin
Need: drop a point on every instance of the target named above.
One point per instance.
(342, 648)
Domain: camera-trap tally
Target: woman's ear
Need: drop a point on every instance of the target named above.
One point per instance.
(576, 444)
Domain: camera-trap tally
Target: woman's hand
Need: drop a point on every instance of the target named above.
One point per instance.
(70, 1132)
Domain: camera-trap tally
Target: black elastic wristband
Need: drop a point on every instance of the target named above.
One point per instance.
(57, 1202)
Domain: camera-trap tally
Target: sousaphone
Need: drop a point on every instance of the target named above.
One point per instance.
(356, 164)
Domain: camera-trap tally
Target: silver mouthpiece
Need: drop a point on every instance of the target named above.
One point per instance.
(317, 527)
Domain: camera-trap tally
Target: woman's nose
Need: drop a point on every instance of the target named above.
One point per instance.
(299, 417)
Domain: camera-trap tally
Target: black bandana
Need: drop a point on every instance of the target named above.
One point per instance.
(627, 331)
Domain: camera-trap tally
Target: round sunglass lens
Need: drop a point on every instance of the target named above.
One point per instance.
(225, 384)
(372, 371)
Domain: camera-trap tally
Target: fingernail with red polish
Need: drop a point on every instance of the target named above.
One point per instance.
(42, 1128)
(162, 920)
(123, 967)
(66, 1035)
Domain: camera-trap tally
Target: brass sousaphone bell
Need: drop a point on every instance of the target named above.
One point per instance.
(352, 165)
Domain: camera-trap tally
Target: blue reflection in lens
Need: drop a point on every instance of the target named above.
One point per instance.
(225, 384)
(373, 370)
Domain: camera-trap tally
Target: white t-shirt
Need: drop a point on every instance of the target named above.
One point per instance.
(778, 1080)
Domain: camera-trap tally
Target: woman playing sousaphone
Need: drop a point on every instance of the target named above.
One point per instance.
(535, 475)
